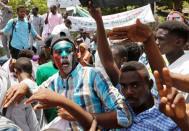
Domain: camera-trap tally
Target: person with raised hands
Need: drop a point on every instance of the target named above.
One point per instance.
(143, 33)
(172, 103)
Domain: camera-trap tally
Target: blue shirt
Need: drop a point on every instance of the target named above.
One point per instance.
(88, 88)
(20, 36)
(152, 120)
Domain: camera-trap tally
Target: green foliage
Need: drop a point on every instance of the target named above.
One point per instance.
(115, 10)
(42, 4)
(185, 4)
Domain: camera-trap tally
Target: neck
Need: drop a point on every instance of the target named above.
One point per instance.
(173, 56)
(21, 19)
(149, 104)
(23, 76)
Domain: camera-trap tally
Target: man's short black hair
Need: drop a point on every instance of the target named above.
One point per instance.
(133, 50)
(26, 53)
(123, 52)
(23, 64)
(129, 50)
(48, 41)
(53, 6)
(19, 7)
(67, 21)
(180, 29)
(135, 66)
(36, 8)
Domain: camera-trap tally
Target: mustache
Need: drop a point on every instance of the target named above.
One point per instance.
(131, 98)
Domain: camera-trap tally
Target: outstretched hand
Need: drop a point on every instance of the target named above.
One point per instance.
(15, 94)
(172, 103)
(134, 33)
(47, 97)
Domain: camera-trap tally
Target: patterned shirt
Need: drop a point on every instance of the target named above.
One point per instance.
(152, 120)
(88, 88)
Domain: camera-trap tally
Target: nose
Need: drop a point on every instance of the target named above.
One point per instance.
(64, 54)
(129, 90)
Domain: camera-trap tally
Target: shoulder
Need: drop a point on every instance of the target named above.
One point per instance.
(50, 80)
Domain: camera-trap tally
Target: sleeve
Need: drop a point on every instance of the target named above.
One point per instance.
(2, 4)
(60, 20)
(110, 97)
(31, 118)
(8, 27)
(38, 77)
(33, 32)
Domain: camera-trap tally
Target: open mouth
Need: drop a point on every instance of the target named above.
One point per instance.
(65, 63)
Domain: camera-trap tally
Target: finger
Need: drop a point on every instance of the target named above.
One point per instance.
(33, 98)
(9, 94)
(118, 37)
(19, 100)
(158, 84)
(58, 107)
(41, 106)
(93, 125)
(179, 106)
(121, 29)
(167, 78)
(10, 101)
(162, 104)
(165, 108)
(172, 92)
(111, 33)
(138, 22)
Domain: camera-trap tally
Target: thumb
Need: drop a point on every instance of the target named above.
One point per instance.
(138, 22)
(39, 106)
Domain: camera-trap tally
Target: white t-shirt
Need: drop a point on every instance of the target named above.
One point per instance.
(181, 66)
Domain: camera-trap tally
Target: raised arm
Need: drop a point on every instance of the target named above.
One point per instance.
(47, 18)
(142, 33)
(104, 50)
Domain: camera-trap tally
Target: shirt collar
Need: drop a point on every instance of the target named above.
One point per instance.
(74, 72)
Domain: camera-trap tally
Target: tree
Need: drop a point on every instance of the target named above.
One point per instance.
(42, 4)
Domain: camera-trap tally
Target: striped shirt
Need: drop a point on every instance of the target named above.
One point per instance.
(152, 120)
(88, 88)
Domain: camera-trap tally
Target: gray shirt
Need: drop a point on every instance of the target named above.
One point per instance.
(5, 14)
(37, 22)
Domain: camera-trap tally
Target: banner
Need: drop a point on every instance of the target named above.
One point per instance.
(63, 3)
(110, 21)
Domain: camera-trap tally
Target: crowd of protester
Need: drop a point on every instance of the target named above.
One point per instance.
(129, 78)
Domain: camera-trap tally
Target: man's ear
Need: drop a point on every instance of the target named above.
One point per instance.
(180, 42)
(123, 60)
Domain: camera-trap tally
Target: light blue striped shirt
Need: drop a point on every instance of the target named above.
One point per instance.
(20, 37)
(87, 87)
